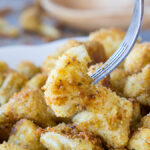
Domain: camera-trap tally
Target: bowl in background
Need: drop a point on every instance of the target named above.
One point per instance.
(90, 15)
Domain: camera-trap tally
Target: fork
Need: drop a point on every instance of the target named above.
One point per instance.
(125, 47)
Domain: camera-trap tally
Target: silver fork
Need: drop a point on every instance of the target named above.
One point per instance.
(126, 46)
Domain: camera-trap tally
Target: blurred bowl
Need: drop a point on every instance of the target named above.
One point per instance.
(90, 15)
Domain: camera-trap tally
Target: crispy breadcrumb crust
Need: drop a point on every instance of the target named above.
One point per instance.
(69, 137)
(106, 81)
(138, 58)
(110, 38)
(94, 49)
(68, 86)
(27, 104)
(7, 146)
(13, 83)
(37, 81)
(108, 116)
(25, 134)
(28, 69)
(140, 140)
(3, 67)
(138, 86)
(145, 121)
(118, 79)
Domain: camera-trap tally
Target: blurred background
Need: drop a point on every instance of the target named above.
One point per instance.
(42, 21)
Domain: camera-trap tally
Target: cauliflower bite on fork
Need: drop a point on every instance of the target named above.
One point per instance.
(106, 81)
(138, 58)
(25, 134)
(94, 49)
(69, 85)
(68, 137)
(108, 116)
(29, 104)
(138, 86)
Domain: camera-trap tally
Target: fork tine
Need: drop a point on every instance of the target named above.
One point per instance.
(126, 45)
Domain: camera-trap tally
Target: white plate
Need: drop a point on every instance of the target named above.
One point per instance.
(13, 55)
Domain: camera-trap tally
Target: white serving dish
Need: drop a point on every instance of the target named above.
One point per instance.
(13, 55)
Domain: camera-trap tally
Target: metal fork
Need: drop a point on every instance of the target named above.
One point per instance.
(126, 46)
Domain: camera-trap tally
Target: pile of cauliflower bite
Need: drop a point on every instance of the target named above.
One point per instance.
(57, 106)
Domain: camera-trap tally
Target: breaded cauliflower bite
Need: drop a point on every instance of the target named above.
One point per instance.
(118, 79)
(25, 134)
(140, 140)
(110, 38)
(7, 146)
(69, 85)
(3, 70)
(12, 84)
(27, 104)
(138, 58)
(94, 49)
(28, 69)
(136, 113)
(68, 137)
(145, 121)
(138, 86)
(108, 116)
(37, 81)
(3, 67)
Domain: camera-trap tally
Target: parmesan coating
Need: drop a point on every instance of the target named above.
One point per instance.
(138, 58)
(68, 85)
(138, 86)
(109, 38)
(25, 134)
(68, 137)
(27, 104)
(108, 116)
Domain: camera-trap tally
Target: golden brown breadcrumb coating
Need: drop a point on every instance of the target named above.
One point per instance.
(25, 134)
(138, 58)
(106, 81)
(108, 116)
(94, 49)
(69, 137)
(3, 66)
(118, 79)
(110, 38)
(37, 81)
(68, 84)
(3, 71)
(27, 104)
(28, 69)
(136, 116)
(140, 140)
(138, 86)
(13, 83)
(145, 121)
(7, 146)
